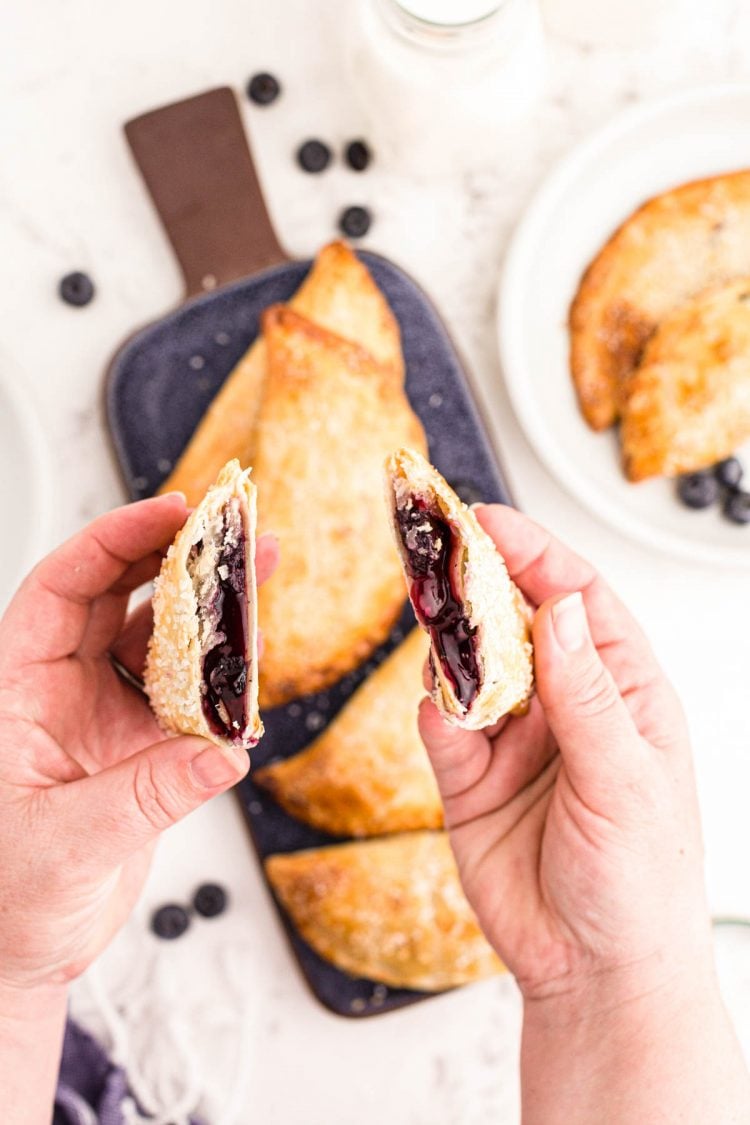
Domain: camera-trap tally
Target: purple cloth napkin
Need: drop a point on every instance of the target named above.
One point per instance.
(91, 1089)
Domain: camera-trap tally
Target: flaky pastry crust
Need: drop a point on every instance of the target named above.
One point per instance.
(329, 415)
(673, 247)
(338, 294)
(390, 910)
(687, 405)
(368, 772)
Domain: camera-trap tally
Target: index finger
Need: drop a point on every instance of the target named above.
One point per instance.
(47, 618)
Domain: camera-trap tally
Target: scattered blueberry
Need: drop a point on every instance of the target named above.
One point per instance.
(209, 900)
(170, 921)
(467, 492)
(263, 89)
(698, 490)
(313, 156)
(737, 506)
(355, 222)
(76, 289)
(357, 155)
(729, 472)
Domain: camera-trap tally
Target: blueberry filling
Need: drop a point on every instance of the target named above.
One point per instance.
(225, 665)
(430, 546)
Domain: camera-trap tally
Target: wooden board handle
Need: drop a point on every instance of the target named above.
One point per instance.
(196, 162)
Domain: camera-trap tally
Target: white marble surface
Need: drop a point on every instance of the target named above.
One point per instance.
(69, 198)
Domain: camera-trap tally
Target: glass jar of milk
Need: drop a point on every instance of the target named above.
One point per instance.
(445, 84)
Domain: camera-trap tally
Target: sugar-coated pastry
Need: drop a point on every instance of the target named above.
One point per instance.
(476, 617)
(329, 415)
(668, 251)
(368, 772)
(201, 670)
(339, 294)
(687, 405)
(391, 910)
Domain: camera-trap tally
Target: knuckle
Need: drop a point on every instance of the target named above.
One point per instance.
(594, 691)
(156, 805)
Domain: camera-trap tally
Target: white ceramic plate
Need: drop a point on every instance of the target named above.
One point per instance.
(641, 153)
(25, 482)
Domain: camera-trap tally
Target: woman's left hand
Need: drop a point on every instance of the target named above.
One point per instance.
(88, 781)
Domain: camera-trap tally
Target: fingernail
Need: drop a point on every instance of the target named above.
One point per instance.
(213, 768)
(569, 623)
(172, 495)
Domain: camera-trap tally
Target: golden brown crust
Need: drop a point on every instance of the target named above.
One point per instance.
(496, 607)
(687, 405)
(183, 631)
(368, 773)
(669, 250)
(390, 910)
(339, 294)
(330, 414)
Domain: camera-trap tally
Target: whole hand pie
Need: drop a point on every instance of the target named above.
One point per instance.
(329, 416)
(687, 405)
(201, 669)
(368, 772)
(390, 910)
(668, 251)
(476, 617)
(338, 294)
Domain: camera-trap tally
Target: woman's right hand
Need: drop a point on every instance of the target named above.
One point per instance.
(577, 834)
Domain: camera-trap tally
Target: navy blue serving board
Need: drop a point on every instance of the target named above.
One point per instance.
(158, 388)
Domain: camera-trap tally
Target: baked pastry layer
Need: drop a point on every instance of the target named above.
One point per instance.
(338, 294)
(368, 773)
(201, 669)
(476, 617)
(673, 247)
(329, 416)
(687, 405)
(390, 910)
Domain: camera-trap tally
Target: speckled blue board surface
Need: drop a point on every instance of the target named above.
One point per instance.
(158, 388)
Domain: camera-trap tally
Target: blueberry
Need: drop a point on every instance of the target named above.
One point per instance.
(355, 222)
(698, 490)
(76, 289)
(357, 155)
(737, 507)
(263, 88)
(170, 921)
(467, 492)
(209, 900)
(313, 156)
(729, 472)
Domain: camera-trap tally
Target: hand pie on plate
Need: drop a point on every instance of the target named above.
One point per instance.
(667, 252)
(338, 294)
(201, 670)
(390, 910)
(329, 415)
(476, 617)
(688, 404)
(368, 772)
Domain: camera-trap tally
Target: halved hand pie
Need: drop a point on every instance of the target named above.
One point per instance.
(390, 910)
(476, 617)
(201, 670)
(368, 773)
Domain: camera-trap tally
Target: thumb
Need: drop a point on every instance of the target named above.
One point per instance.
(114, 813)
(592, 726)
